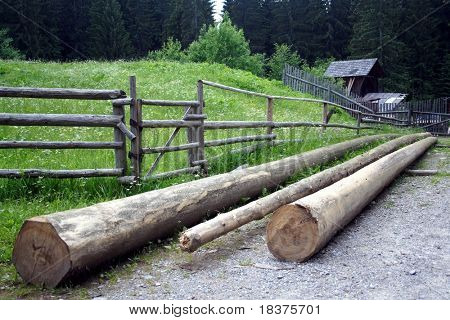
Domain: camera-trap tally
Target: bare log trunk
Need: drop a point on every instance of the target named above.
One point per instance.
(50, 248)
(299, 230)
(205, 232)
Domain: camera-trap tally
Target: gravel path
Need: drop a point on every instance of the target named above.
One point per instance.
(398, 248)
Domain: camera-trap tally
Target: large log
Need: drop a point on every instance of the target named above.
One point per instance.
(212, 229)
(299, 230)
(50, 248)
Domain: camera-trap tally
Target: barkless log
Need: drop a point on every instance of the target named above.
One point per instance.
(205, 232)
(299, 230)
(50, 248)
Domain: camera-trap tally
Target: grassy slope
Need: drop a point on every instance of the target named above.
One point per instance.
(20, 199)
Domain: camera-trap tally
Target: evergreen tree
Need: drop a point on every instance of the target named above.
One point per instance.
(187, 19)
(6, 49)
(72, 26)
(250, 16)
(107, 37)
(374, 35)
(340, 27)
(33, 27)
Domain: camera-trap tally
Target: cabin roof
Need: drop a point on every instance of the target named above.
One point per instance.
(354, 68)
(384, 97)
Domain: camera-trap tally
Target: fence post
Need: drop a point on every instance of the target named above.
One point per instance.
(190, 138)
(409, 115)
(325, 115)
(329, 93)
(136, 129)
(120, 155)
(201, 129)
(269, 114)
(358, 122)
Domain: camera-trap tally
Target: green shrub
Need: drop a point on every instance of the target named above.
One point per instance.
(283, 54)
(6, 50)
(225, 44)
(171, 51)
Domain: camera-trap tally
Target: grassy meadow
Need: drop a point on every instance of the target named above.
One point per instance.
(24, 198)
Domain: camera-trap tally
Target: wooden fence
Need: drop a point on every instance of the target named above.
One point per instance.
(193, 121)
(431, 115)
(115, 121)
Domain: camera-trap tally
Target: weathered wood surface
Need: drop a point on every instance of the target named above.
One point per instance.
(136, 129)
(299, 230)
(67, 120)
(121, 102)
(61, 93)
(120, 154)
(170, 124)
(205, 232)
(59, 145)
(181, 147)
(50, 248)
(48, 173)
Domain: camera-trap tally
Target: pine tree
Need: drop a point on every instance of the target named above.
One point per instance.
(250, 16)
(107, 37)
(72, 26)
(340, 27)
(374, 35)
(33, 27)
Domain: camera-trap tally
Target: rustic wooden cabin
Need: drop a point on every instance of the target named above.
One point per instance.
(360, 76)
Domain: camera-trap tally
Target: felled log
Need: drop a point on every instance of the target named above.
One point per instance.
(299, 230)
(53, 247)
(205, 232)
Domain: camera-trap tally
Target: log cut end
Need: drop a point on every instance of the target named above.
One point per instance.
(40, 256)
(292, 233)
(189, 243)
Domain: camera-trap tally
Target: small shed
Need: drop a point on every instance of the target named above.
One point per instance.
(360, 76)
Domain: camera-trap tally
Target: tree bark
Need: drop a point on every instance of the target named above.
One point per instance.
(299, 230)
(205, 232)
(51, 248)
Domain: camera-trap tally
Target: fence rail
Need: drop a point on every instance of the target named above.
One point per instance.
(129, 164)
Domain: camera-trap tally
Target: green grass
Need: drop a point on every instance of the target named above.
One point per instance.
(24, 198)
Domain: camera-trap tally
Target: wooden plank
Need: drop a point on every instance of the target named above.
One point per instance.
(170, 124)
(36, 173)
(188, 146)
(61, 93)
(64, 120)
(228, 88)
(59, 145)
(189, 117)
(121, 102)
(120, 154)
(135, 124)
(269, 114)
(169, 103)
(200, 160)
